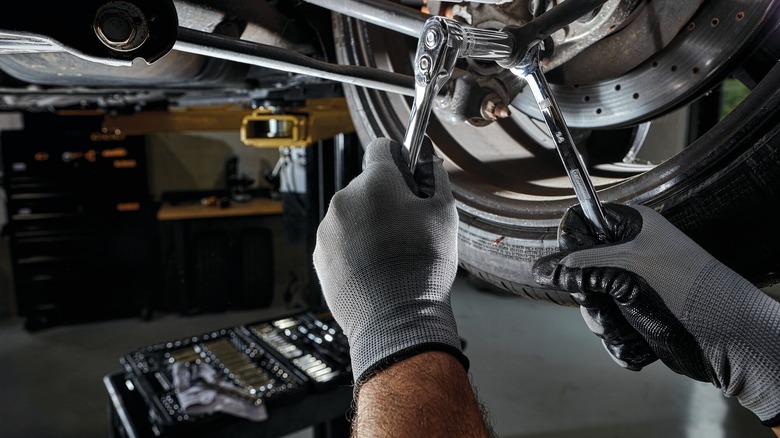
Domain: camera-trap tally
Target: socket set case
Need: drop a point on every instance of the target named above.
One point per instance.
(317, 347)
(269, 362)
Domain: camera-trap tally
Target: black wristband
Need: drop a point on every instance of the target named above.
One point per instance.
(772, 422)
(406, 353)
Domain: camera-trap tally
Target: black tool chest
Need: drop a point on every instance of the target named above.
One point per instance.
(297, 365)
(80, 223)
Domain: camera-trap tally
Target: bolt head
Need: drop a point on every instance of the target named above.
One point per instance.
(431, 38)
(121, 26)
(118, 28)
(425, 63)
(493, 108)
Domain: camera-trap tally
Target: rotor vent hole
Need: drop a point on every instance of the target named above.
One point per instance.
(674, 68)
(598, 110)
(655, 64)
(617, 87)
(714, 22)
(635, 96)
(691, 25)
(696, 70)
(740, 15)
(587, 98)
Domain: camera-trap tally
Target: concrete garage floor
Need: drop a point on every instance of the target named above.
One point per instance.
(537, 368)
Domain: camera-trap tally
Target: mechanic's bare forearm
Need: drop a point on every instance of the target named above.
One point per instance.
(428, 394)
(776, 430)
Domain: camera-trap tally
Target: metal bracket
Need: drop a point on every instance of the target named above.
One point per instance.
(318, 119)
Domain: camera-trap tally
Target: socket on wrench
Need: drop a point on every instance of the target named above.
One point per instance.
(443, 41)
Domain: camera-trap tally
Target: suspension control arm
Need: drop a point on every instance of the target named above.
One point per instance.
(263, 55)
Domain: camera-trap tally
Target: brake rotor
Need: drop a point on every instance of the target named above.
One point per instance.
(697, 58)
(628, 62)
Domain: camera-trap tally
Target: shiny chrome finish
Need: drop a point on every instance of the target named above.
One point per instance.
(384, 13)
(530, 71)
(444, 41)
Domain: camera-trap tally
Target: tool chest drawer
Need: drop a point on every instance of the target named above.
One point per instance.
(68, 209)
(48, 161)
(81, 224)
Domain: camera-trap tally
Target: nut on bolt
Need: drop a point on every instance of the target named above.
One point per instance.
(121, 26)
(494, 108)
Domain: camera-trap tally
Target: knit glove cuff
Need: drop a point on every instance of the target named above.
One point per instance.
(394, 317)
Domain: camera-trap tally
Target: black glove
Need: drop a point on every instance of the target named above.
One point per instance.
(654, 293)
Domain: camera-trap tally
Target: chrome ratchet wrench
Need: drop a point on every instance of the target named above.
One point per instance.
(442, 42)
(529, 70)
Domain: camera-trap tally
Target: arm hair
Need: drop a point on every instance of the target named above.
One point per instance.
(428, 394)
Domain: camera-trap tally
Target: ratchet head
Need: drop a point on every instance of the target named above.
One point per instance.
(442, 42)
(437, 52)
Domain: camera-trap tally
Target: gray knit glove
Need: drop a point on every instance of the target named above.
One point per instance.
(386, 257)
(654, 293)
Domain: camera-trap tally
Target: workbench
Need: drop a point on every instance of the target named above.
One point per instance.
(195, 210)
(222, 256)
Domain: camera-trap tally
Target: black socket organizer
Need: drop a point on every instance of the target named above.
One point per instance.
(270, 362)
(316, 347)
